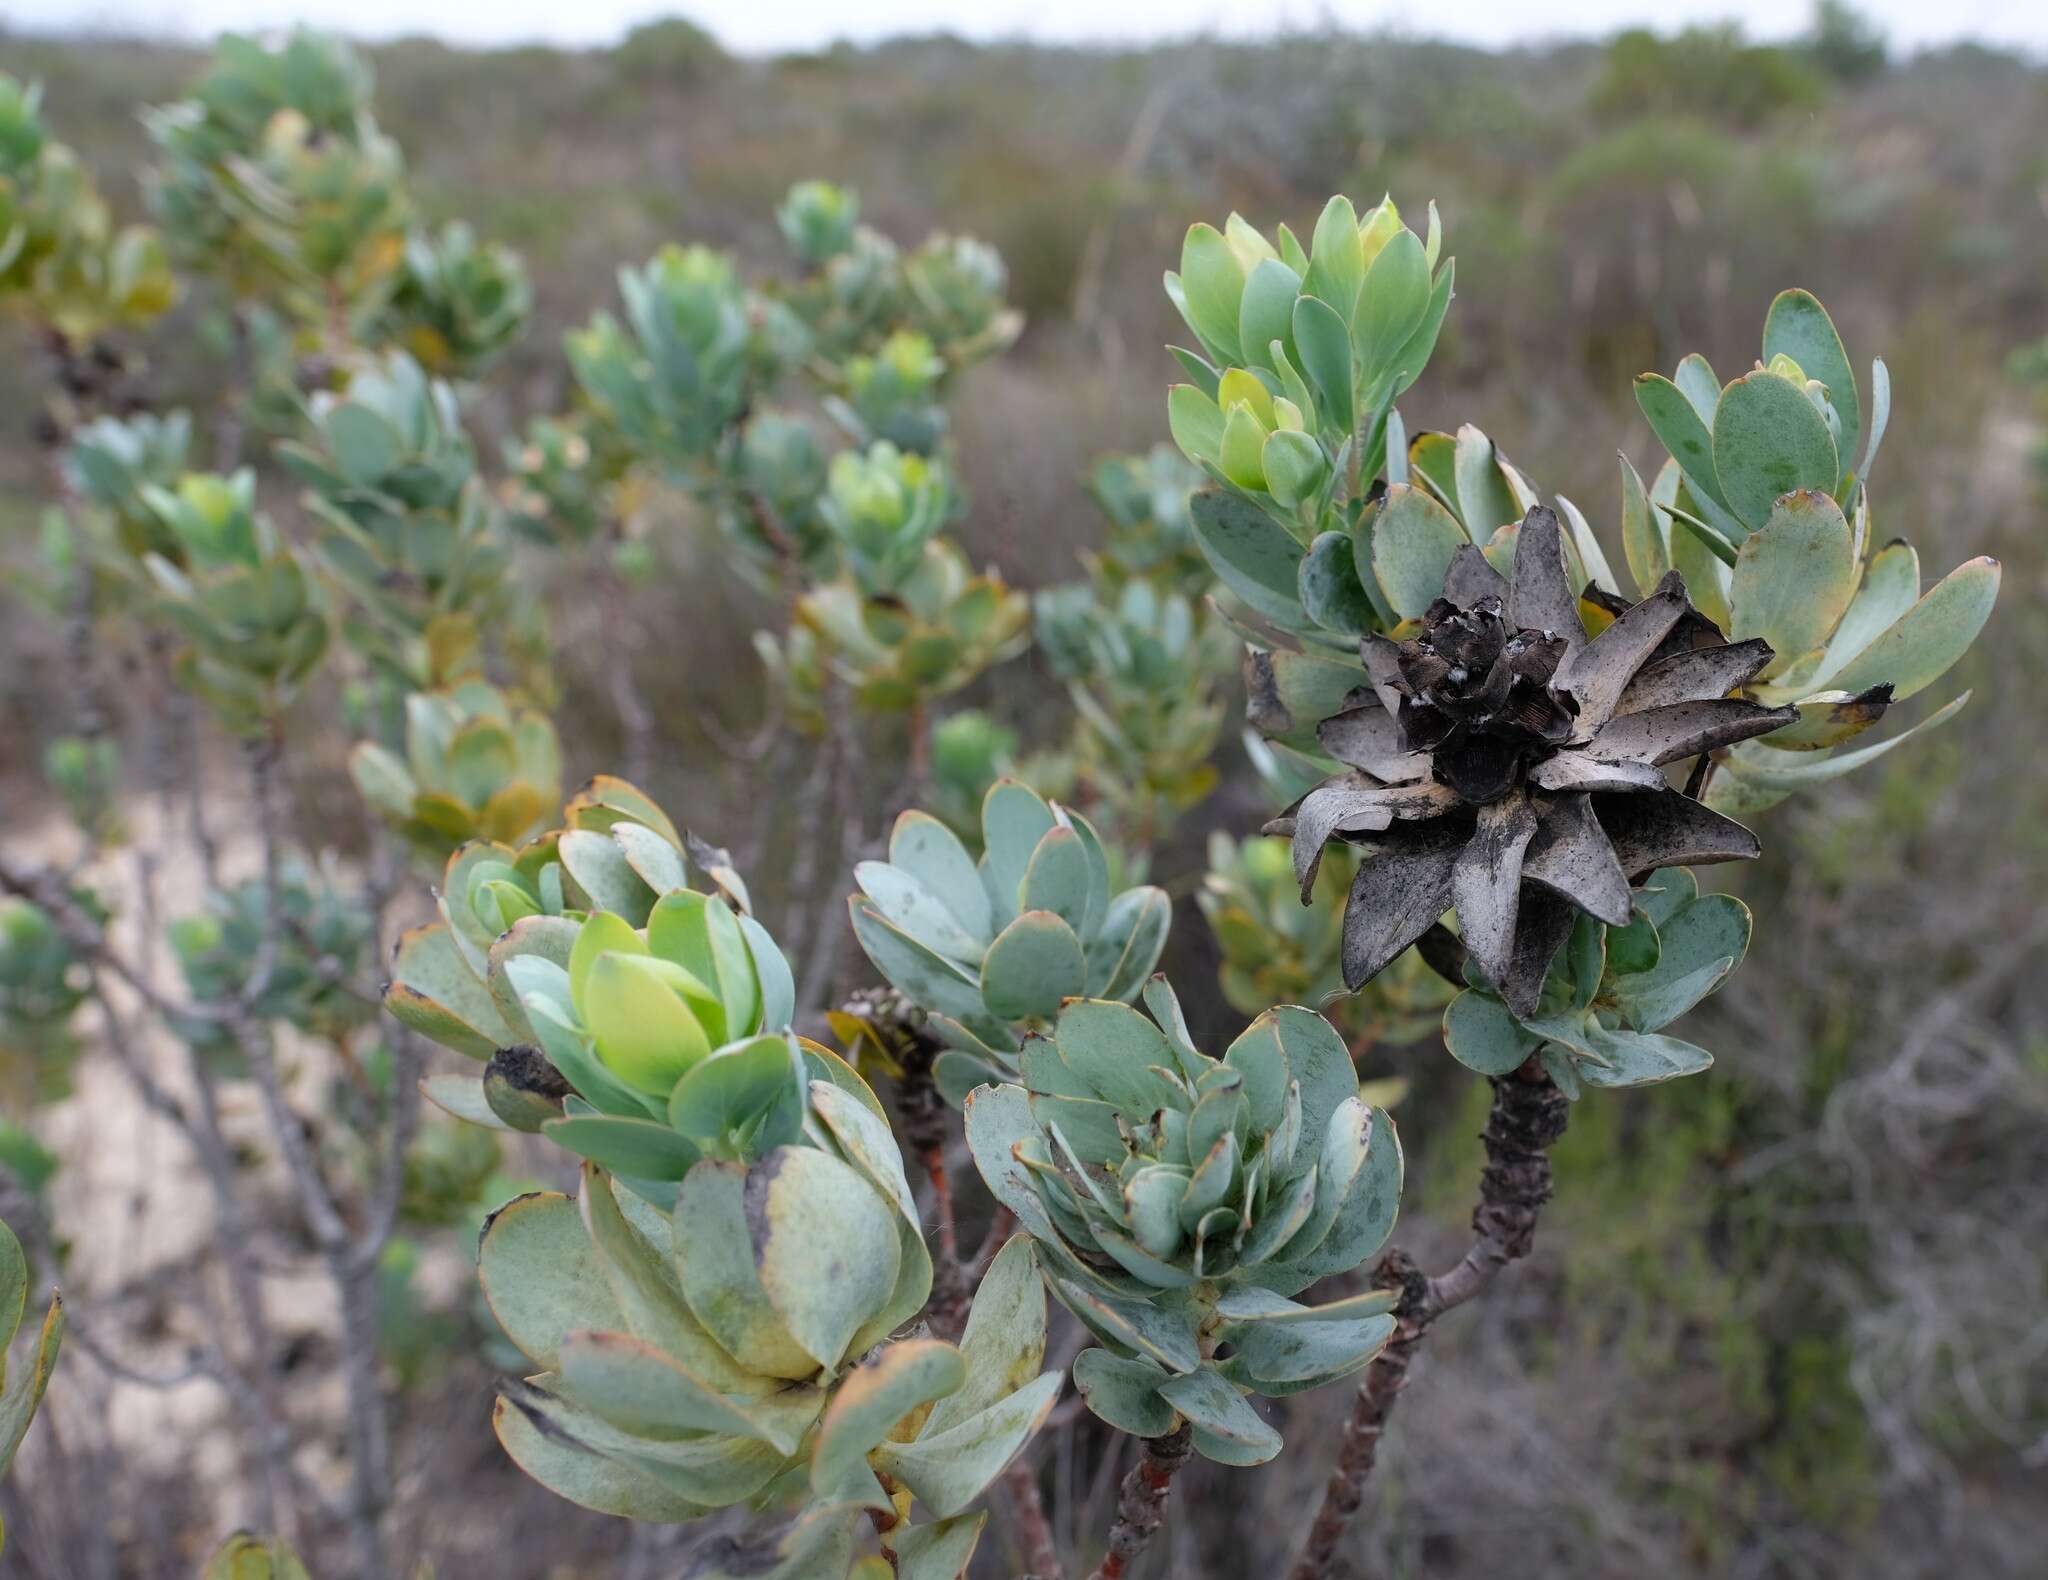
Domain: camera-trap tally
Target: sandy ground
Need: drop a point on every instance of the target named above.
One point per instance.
(135, 1208)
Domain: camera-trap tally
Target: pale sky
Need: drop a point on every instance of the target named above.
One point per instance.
(755, 26)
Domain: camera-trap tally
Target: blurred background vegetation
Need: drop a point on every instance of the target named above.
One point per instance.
(1793, 1324)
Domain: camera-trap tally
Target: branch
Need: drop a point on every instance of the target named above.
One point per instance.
(1529, 1115)
(401, 1124)
(51, 894)
(1141, 1503)
(925, 1127)
(1034, 1533)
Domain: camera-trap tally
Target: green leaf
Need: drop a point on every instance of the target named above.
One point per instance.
(1034, 963)
(746, 1089)
(1086, 1126)
(1014, 818)
(1319, 1061)
(1336, 266)
(636, 1148)
(825, 1245)
(462, 1096)
(957, 1073)
(1633, 949)
(1755, 777)
(541, 1277)
(1363, 1222)
(604, 932)
(1227, 1429)
(1710, 928)
(637, 1388)
(1407, 363)
(1323, 347)
(646, 1032)
(1266, 312)
(939, 1551)
(1695, 376)
(911, 904)
(1125, 1393)
(927, 979)
(1213, 281)
(715, 1261)
(1891, 586)
(1483, 1035)
(585, 1478)
(1391, 303)
(602, 872)
(25, 1389)
(550, 943)
(1432, 457)
(1163, 1332)
(1057, 878)
(1413, 542)
(244, 1556)
(1117, 1052)
(1797, 326)
(1252, 555)
(1195, 421)
(1702, 562)
(1768, 442)
(1652, 1002)
(365, 447)
(1919, 647)
(434, 991)
(948, 1470)
(1345, 1147)
(1330, 590)
(1684, 430)
(382, 779)
(13, 1291)
(996, 1120)
(1198, 368)
(635, 1243)
(1485, 501)
(1645, 535)
(711, 1471)
(1242, 455)
(866, 1141)
(1793, 578)
(1880, 413)
(1293, 466)
(1295, 387)
(1664, 892)
(1004, 1343)
(1248, 1303)
(818, 1543)
(1637, 1059)
(1292, 693)
(1152, 1202)
(929, 851)
(658, 863)
(866, 1406)
(1261, 1063)
(1272, 1358)
(702, 935)
(1592, 558)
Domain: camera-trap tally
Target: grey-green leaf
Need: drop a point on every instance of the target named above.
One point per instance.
(1797, 326)
(1768, 442)
(1414, 540)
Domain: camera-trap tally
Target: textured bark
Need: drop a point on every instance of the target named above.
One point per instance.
(1141, 1505)
(927, 1128)
(1034, 1534)
(1529, 1115)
